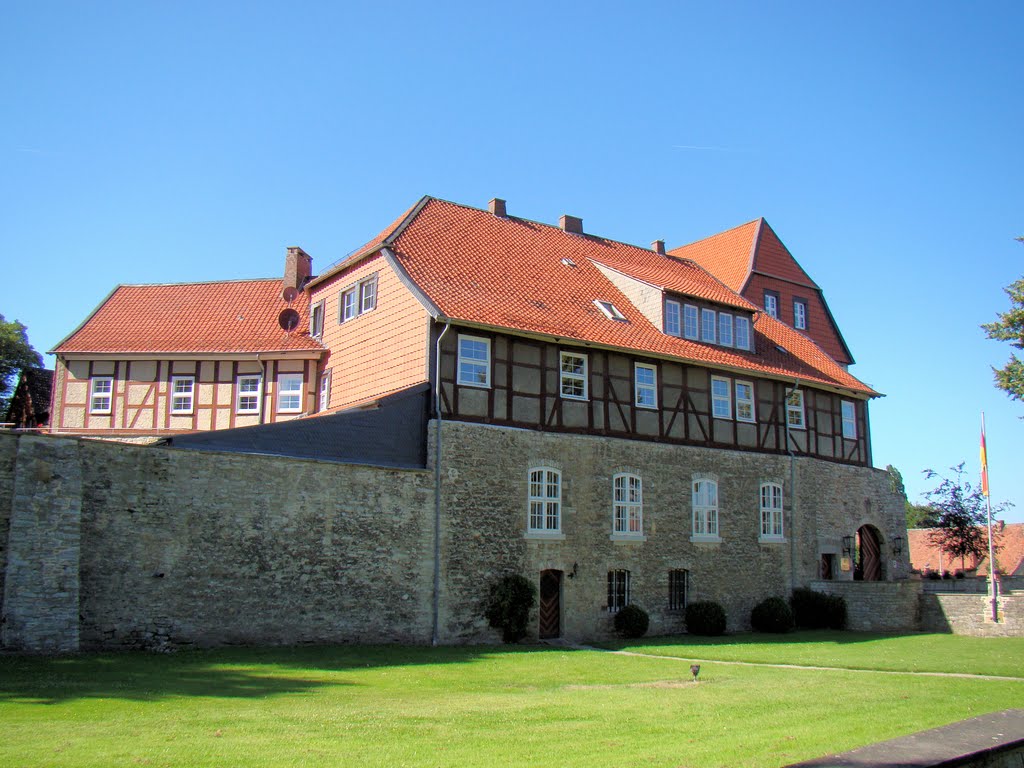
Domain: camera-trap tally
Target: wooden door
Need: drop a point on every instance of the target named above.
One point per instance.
(870, 554)
(550, 605)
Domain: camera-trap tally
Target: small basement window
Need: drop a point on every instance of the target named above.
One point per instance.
(610, 310)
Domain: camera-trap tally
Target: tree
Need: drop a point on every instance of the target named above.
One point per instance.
(1010, 327)
(15, 354)
(962, 525)
(918, 515)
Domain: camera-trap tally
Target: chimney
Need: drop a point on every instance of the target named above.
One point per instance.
(298, 266)
(658, 246)
(497, 206)
(571, 224)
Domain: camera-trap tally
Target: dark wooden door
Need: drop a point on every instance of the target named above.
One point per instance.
(870, 554)
(550, 605)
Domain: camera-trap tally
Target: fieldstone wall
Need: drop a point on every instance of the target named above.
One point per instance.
(877, 606)
(967, 614)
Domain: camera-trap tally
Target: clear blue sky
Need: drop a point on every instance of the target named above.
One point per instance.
(170, 142)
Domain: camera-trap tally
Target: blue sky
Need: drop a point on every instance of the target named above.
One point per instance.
(170, 142)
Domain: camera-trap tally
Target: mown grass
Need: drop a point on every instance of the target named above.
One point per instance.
(475, 706)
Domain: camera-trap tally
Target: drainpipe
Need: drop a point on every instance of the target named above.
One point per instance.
(437, 487)
(792, 491)
(263, 387)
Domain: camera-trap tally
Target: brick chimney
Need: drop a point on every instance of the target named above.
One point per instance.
(497, 206)
(571, 224)
(658, 246)
(298, 266)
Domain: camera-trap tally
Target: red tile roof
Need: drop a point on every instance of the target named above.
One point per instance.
(227, 316)
(1008, 538)
(727, 255)
(772, 258)
(509, 273)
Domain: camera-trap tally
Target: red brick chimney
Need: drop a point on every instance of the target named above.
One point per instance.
(571, 224)
(658, 246)
(298, 266)
(497, 206)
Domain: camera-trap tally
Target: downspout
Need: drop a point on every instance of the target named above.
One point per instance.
(437, 487)
(792, 491)
(263, 386)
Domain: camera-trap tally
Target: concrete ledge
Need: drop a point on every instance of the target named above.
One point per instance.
(988, 741)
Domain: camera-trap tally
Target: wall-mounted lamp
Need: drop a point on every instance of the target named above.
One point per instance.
(897, 545)
(575, 570)
(848, 546)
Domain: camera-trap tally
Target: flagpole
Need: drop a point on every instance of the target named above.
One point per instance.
(988, 501)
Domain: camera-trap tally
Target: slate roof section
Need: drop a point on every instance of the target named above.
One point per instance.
(210, 317)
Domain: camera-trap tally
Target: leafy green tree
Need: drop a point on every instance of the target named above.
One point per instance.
(1010, 327)
(962, 525)
(922, 516)
(15, 354)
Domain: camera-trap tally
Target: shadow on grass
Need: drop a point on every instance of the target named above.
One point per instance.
(818, 636)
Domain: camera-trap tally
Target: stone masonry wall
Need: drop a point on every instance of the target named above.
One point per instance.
(877, 606)
(966, 614)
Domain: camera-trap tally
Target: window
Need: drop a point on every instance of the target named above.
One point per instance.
(349, 300)
(705, 508)
(358, 299)
(573, 375)
(627, 505)
(742, 332)
(182, 394)
(725, 329)
(849, 420)
(100, 396)
(771, 511)
(800, 314)
(316, 320)
(289, 393)
(368, 295)
(672, 325)
(646, 385)
(610, 310)
(690, 321)
(721, 401)
(618, 590)
(474, 361)
(325, 390)
(745, 401)
(545, 501)
(707, 325)
(678, 579)
(795, 409)
(248, 394)
(771, 303)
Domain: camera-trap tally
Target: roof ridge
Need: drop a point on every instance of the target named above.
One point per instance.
(199, 282)
(717, 234)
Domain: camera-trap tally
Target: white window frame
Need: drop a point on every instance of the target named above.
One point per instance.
(368, 295)
(691, 322)
(256, 394)
(678, 586)
(704, 501)
(316, 320)
(742, 337)
(609, 310)
(101, 400)
(183, 402)
(849, 412)
(286, 389)
(800, 317)
(771, 507)
(618, 589)
(544, 501)
(673, 318)
(468, 367)
(348, 303)
(771, 304)
(325, 390)
(572, 376)
(627, 506)
(795, 409)
(721, 401)
(645, 393)
(746, 410)
(725, 336)
(708, 326)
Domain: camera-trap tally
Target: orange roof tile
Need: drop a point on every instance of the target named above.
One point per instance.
(226, 316)
(727, 255)
(1008, 538)
(773, 258)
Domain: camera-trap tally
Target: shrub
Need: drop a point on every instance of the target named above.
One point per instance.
(705, 617)
(772, 615)
(509, 604)
(632, 621)
(816, 610)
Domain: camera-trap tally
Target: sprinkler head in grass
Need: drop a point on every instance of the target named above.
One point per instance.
(695, 670)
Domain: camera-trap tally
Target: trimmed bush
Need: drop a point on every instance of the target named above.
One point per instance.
(705, 617)
(632, 621)
(816, 610)
(509, 604)
(772, 615)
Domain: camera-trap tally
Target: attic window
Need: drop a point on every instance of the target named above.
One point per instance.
(610, 311)
(568, 262)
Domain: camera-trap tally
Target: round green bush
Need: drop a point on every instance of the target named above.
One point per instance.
(816, 610)
(772, 615)
(705, 617)
(632, 621)
(509, 604)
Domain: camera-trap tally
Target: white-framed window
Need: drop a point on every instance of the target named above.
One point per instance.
(325, 390)
(573, 377)
(358, 299)
(725, 329)
(101, 392)
(721, 398)
(771, 511)
(183, 390)
(745, 402)
(474, 361)
(316, 320)
(800, 314)
(349, 304)
(610, 310)
(795, 409)
(705, 508)
(248, 394)
(707, 325)
(618, 590)
(690, 315)
(771, 303)
(646, 385)
(368, 295)
(849, 419)
(627, 505)
(545, 501)
(742, 325)
(673, 322)
(289, 393)
(678, 580)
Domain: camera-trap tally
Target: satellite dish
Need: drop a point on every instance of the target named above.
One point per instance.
(289, 293)
(288, 320)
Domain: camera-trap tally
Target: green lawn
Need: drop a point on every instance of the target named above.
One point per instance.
(487, 706)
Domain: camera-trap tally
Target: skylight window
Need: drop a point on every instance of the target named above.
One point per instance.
(610, 310)
(568, 262)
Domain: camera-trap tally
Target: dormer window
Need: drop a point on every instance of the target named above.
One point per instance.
(610, 310)
(800, 314)
(707, 325)
(771, 303)
(742, 328)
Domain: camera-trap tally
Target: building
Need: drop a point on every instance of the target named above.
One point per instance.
(925, 555)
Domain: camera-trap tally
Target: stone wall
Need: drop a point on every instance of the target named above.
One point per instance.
(877, 606)
(967, 614)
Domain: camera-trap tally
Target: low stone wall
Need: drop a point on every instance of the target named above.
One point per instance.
(877, 606)
(970, 614)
